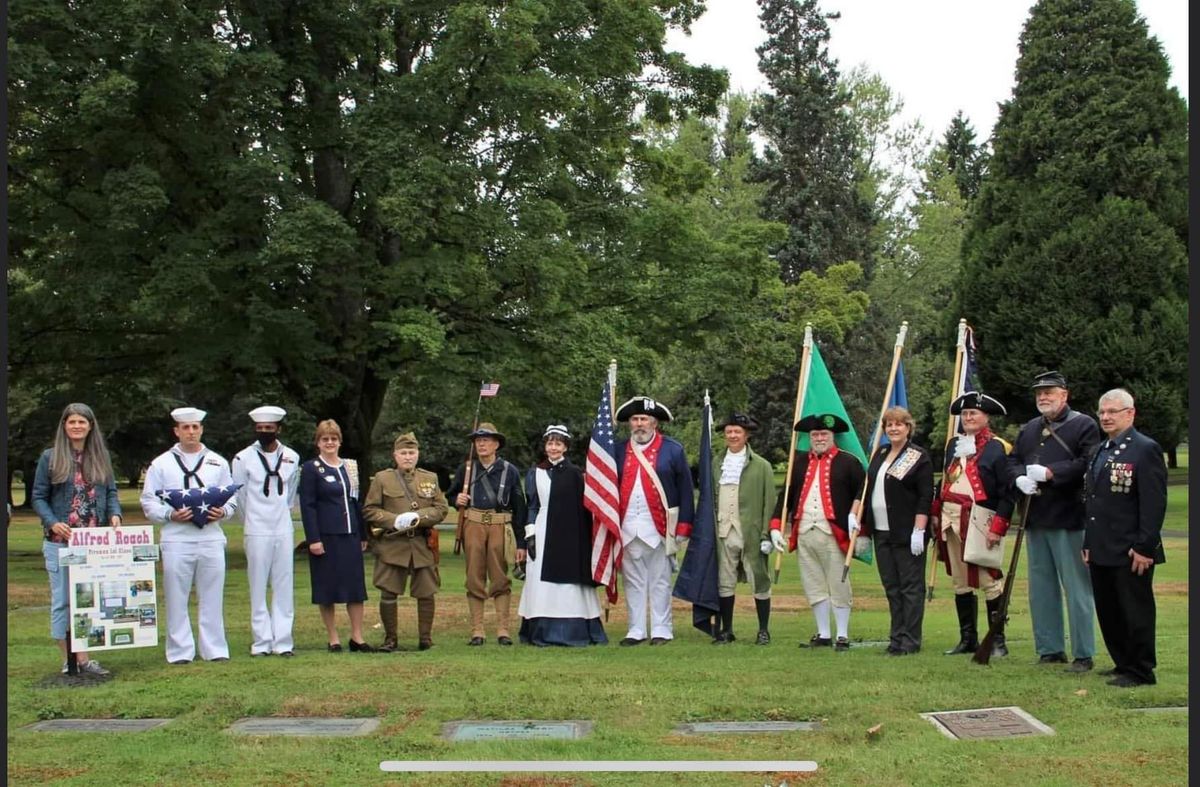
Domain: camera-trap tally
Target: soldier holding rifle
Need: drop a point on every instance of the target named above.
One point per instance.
(487, 493)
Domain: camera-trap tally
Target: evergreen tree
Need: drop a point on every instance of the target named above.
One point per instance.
(1076, 255)
(964, 158)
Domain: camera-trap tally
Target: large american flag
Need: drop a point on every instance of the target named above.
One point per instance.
(601, 496)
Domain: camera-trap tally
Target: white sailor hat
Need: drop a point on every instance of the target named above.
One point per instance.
(267, 414)
(186, 415)
(558, 430)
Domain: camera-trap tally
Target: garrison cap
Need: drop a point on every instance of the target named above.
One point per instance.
(406, 440)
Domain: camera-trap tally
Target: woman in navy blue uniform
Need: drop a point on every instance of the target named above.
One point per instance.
(333, 529)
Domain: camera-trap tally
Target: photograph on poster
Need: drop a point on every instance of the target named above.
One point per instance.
(141, 587)
(85, 595)
(145, 552)
(82, 624)
(149, 615)
(95, 637)
(121, 636)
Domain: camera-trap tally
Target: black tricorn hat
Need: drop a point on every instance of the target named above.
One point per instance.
(739, 419)
(486, 429)
(822, 421)
(643, 405)
(1052, 379)
(974, 400)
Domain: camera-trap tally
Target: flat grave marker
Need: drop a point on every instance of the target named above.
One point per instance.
(987, 723)
(96, 725)
(743, 727)
(315, 726)
(519, 729)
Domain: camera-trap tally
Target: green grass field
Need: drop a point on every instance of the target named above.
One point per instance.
(635, 696)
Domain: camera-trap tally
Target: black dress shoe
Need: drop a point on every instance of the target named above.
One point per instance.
(504, 640)
(360, 647)
(287, 654)
(817, 641)
(1052, 658)
(763, 638)
(1108, 673)
(220, 658)
(1123, 681)
(841, 644)
(659, 640)
(724, 638)
(260, 654)
(475, 641)
(177, 662)
(630, 642)
(1079, 665)
(335, 647)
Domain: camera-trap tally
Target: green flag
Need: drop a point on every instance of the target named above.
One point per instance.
(821, 396)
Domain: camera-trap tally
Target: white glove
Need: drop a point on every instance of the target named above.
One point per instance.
(852, 523)
(1026, 484)
(681, 542)
(406, 521)
(916, 542)
(1036, 472)
(964, 446)
(766, 547)
(777, 540)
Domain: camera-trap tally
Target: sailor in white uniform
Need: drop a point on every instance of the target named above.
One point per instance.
(269, 473)
(190, 554)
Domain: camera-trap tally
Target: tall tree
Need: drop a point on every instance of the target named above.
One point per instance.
(810, 161)
(318, 201)
(964, 157)
(1076, 256)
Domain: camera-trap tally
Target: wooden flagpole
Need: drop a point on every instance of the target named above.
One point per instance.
(887, 398)
(960, 354)
(801, 390)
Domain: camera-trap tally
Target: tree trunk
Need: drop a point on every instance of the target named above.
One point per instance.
(1173, 456)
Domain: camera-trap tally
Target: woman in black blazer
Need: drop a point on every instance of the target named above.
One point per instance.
(899, 494)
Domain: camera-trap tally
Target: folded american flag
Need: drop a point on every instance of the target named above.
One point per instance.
(199, 501)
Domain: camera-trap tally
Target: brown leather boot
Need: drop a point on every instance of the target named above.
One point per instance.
(425, 623)
(387, 616)
(502, 604)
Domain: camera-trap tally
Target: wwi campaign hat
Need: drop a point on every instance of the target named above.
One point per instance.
(643, 405)
(267, 414)
(823, 421)
(186, 415)
(973, 400)
(486, 429)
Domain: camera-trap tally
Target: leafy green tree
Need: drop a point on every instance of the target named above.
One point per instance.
(318, 202)
(1076, 255)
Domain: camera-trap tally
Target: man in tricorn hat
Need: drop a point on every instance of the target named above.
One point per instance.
(1048, 462)
(745, 497)
(656, 509)
(494, 504)
(823, 506)
(401, 508)
(269, 473)
(975, 477)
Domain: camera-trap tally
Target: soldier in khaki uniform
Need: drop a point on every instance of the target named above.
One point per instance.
(401, 508)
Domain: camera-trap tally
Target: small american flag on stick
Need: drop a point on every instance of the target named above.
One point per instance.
(489, 389)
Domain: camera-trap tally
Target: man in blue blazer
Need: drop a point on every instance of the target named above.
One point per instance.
(656, 508)
(1126, 498)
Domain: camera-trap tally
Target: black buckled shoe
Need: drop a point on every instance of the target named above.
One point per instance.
(504, 640)
(360, 647)
(817, 641)
(763, 638)
(841, 644)
(475, 641)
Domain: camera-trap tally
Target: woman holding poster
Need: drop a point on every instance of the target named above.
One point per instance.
(74, 486)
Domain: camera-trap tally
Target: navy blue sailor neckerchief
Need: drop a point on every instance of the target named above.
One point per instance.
(271, 473)
(194, 473)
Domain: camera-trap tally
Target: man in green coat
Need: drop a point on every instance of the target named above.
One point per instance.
(745, 491)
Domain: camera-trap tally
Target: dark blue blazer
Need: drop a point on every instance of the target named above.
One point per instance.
(1057, 505)
(324, 509)
(675, 475)
(1126, 501)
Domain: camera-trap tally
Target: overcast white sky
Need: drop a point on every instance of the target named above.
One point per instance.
(939, 56)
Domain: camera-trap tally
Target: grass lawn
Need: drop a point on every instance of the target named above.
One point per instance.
(635, 696)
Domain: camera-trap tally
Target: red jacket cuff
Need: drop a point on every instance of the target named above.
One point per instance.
(777, 524)
(999, 525)
(684, 529)
(935, 508)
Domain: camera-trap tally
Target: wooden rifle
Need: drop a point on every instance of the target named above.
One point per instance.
(983, 653)
(466, 487)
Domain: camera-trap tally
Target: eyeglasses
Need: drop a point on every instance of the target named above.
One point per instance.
(1102, 413)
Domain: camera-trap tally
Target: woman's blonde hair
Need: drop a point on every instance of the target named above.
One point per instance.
(328, 426)
(902, 415)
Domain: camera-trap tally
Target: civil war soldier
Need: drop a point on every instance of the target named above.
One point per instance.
(1048, 462)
